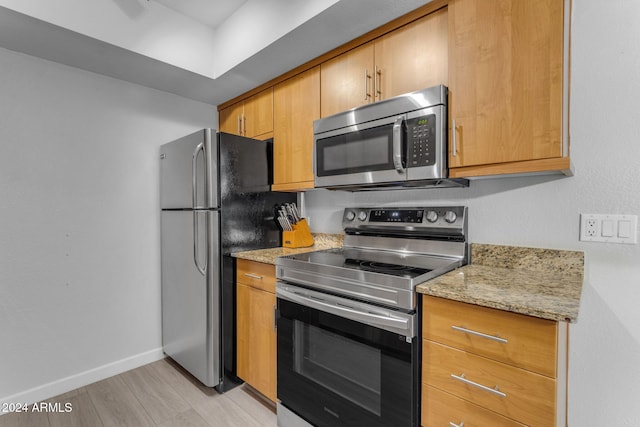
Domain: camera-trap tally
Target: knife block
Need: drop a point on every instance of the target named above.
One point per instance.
(300, 237)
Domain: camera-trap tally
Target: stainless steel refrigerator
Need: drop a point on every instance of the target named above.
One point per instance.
(215, 200)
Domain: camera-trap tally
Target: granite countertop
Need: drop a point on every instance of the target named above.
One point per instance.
(268, 256)
(542, 283)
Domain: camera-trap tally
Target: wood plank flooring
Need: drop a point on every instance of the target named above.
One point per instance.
(159, 394)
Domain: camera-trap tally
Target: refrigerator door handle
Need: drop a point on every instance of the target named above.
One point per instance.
(194, 201)
(194, 181)
(196, 233)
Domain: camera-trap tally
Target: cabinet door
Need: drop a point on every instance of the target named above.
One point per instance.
(412, 57)
(230, 119)
(296, 103)
(505, 80)
(347, 80)
(256, 339)
(258, 114)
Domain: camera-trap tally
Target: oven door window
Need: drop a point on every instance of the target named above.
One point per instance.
(358, 151)
(338, 372)
(348, 368)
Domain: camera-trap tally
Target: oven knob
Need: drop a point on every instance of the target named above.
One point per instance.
(362, 216)
(432, 216)
(450, 216)
(350, 216)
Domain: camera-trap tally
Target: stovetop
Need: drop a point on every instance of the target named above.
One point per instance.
(406, 266)
(385, 268)
(387, 253)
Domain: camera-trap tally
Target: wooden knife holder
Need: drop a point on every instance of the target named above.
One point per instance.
(299, 237)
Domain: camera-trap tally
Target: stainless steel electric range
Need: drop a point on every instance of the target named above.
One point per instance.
(347, 323)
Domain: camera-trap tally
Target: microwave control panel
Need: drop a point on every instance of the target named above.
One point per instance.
(421, 141)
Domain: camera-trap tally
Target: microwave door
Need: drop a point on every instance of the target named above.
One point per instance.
(360, 156)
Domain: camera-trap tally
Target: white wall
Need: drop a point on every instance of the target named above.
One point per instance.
(271, 19)
(154, 30)
(604, 365)
(79, 223)
(145, 27)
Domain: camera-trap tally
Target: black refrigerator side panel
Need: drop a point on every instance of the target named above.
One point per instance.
(228, 345)
(245, 165)
(246, 202)
(246, 223)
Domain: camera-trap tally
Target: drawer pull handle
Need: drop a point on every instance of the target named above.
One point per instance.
(452, 424)
(494, 390)
(253, 276)
(479, 334)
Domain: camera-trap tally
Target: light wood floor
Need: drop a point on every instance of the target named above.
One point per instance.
(159, 394)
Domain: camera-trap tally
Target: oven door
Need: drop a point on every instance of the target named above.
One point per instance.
(345, 363)
(362, 154)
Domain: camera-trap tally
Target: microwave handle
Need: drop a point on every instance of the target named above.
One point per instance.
(397, 145)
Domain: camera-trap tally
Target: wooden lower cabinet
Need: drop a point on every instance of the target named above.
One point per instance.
(531, 341)
(256, 333)
(442, 409)
(488, 367)
(512, 392)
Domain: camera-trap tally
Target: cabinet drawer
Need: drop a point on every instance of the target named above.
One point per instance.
(256, 274)
(519, 340)
(513, 392)
(444, 409)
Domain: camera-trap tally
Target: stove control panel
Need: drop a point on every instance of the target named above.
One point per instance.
(396, 215)
(441, 217)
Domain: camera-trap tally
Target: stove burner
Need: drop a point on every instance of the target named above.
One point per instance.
(385, 268)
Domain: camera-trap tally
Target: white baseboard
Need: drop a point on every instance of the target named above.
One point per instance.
(81, 379)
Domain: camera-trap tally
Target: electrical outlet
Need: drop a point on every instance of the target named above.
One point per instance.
(591, 227)
(609, 228)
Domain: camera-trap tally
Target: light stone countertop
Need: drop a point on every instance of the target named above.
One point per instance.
(269, 256)
(542, 283)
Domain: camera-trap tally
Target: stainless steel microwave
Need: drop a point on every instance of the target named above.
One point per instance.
(397, 142)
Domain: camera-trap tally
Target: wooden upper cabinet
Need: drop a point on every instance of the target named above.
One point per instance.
(296, 106)
(347, 80)
(505, 63)
(258, 114)
(230, 119)
(413, 57)
(506, 87)
(410, 58)
(252, 117)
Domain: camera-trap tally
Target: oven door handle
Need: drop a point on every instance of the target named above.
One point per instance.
(393, 324)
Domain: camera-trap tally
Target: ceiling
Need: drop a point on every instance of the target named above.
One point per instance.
(208, 12)
(278, 35)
